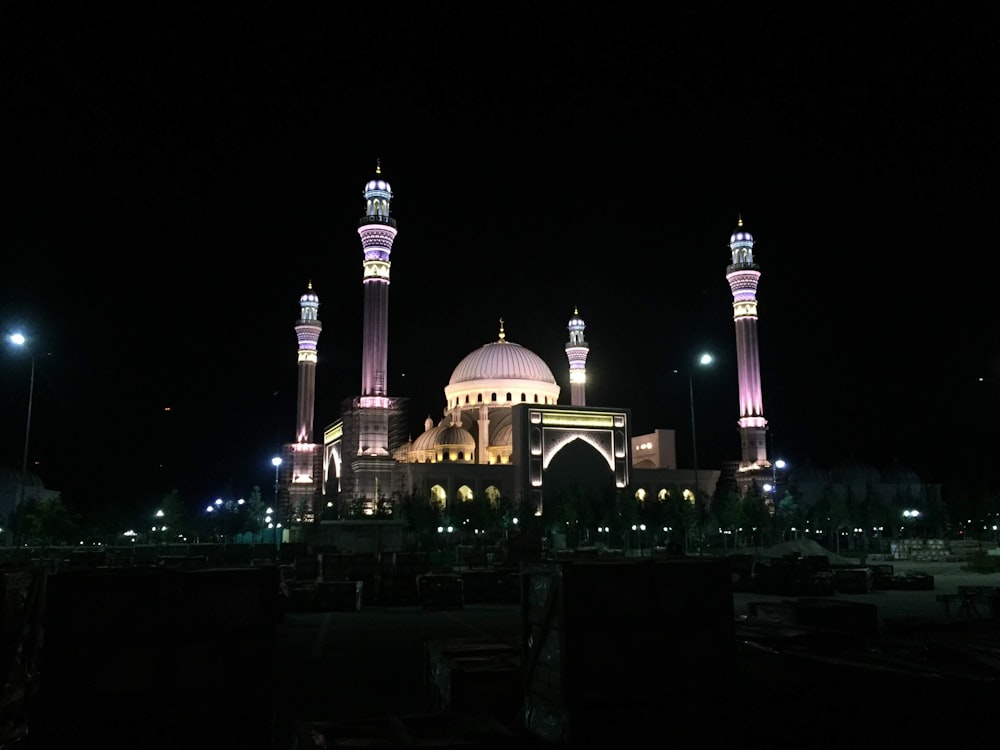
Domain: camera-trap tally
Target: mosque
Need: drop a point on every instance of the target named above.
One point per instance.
(506, 430)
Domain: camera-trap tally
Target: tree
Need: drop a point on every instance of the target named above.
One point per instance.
(728, 512)
(256, 511)
(45, 522)
(176, 516)
(420, 517)
(789, 516)
(677, 513)
(755, 515)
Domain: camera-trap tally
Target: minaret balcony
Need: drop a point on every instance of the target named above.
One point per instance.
(388, 220)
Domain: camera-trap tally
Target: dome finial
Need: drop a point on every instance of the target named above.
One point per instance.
(310, 285)
(378, 166)
(503, 336)
(739, 220)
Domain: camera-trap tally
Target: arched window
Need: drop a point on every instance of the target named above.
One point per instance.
(479, 398)
(509, 397)
(438, 496)
(493, 397)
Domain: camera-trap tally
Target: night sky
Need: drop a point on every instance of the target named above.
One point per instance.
(174, 176)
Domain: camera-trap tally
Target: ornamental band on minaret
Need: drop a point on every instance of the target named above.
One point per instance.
(742, 275)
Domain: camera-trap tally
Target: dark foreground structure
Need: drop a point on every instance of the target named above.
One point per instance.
(591, 654)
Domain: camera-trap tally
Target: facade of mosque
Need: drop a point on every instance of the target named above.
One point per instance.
(506, 429)
(503, 433)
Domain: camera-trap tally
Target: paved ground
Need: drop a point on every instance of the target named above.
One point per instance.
(372, 664)
(214, 688)
(898, 605)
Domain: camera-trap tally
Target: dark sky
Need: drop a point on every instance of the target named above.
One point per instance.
(174, 175)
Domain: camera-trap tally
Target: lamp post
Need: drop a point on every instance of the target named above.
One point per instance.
(276, 461)
(704, 359)
(639, 528)
(19, 340)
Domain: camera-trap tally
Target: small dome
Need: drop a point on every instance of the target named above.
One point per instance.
(377, 185)
(504, 436)
(576, 322)
(740, 235)
(428, 440)
(456, 437)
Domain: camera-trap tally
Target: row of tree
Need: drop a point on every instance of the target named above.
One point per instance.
(576, 517)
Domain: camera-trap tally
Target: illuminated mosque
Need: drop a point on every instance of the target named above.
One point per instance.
(507, 431)
(504, 431)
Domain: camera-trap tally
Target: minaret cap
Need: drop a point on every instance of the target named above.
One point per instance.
(740, 235)
(309, 296)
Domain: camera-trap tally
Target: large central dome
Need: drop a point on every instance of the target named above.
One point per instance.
(501, 373)
(502, 360)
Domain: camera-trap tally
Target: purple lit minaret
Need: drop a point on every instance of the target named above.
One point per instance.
(742, 275)
(298, 486)
(378, 231)
(576, 352)
(307, 330)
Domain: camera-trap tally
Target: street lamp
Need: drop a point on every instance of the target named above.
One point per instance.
(19, 340)
(913, 515)
(276, 461)
(639, 528)
(704, 359)
(775, 466)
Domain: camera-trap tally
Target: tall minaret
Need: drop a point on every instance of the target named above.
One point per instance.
(742, 275)
(576, 352)
(307, 330)
(298, 478)
(377, 230)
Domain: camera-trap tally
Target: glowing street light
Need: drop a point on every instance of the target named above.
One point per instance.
(276, 462)
(703, 360)
(639, 528)
(19, 340)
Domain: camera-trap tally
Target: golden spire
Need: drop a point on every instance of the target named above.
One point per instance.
(378, 166)
(502, 335)
(739, 220)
